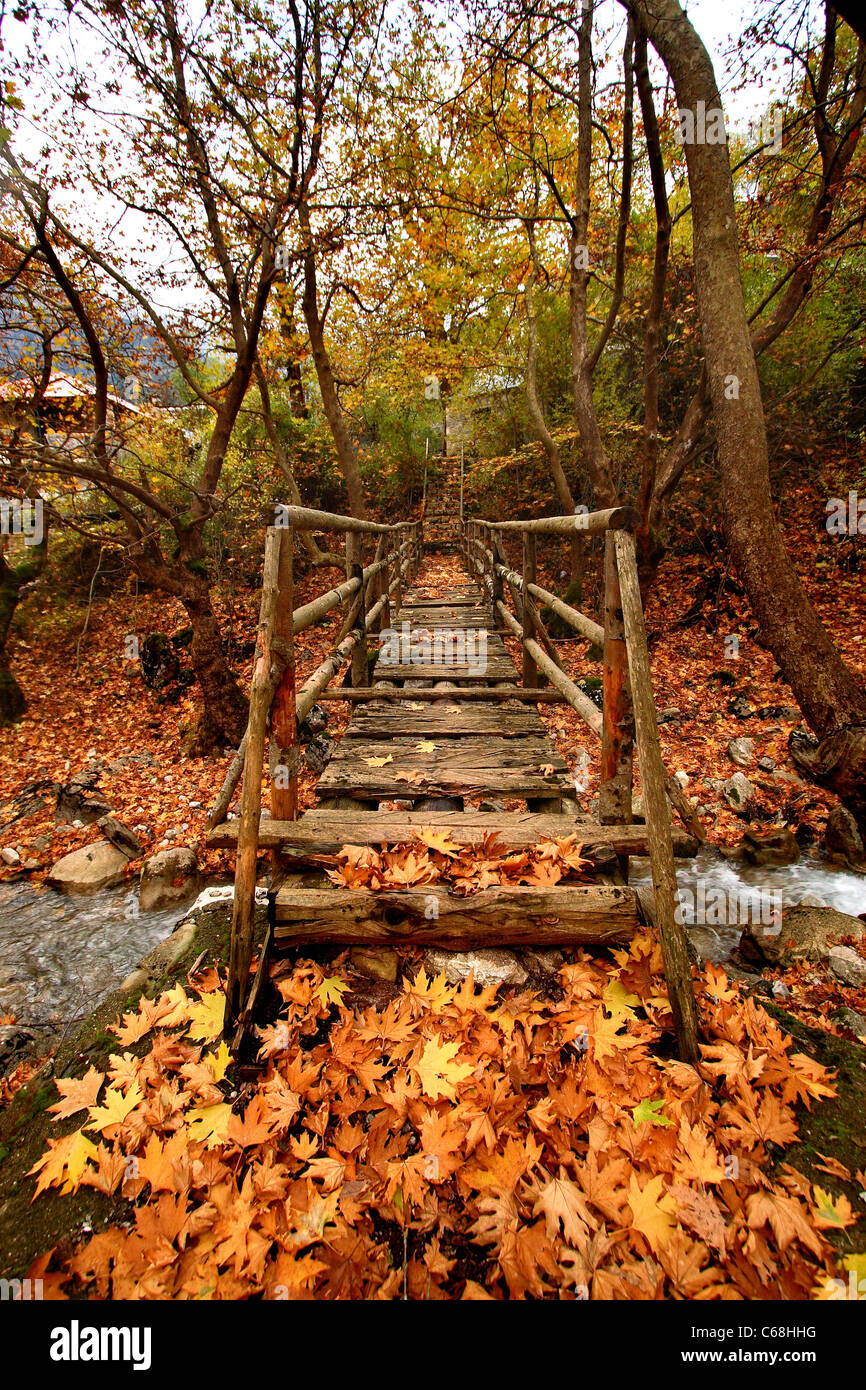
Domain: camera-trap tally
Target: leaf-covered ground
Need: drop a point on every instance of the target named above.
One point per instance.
(448, 1142)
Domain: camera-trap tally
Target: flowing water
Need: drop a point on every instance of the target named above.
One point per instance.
(709, 880)
(60, 956)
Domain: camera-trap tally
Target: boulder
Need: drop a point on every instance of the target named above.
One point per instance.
(742, 751)
(10, 856)
(850, 1019)
(377, 962)
(804, 933)
(318, 753)
(315, 723)
(847, 966)
(120, 836)
(89, 869)
(76, 800)
(738, 792)
(843, 842)
(170, 877)
(776, 846)
(493, 967)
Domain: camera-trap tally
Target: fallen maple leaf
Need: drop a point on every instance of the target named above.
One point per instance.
(77, 1094)
(437, 1071)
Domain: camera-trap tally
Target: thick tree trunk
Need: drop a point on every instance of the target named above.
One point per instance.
(12, 580)
(224, 717)
(829, 694)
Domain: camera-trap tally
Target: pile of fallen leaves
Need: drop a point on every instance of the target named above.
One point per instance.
(433, 857)
(453, 1143)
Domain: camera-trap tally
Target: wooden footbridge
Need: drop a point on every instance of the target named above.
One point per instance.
(441, 718)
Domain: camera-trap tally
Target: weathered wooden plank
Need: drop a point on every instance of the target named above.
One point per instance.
(531, 752)
(322, 831)
(452, 720)
(488, 670)
(381, 784)
(513, 916)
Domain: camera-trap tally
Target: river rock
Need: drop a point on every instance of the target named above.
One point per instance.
(847, 966)
(89, 869)
(172, 876)
(120, 836)
(776, 846)
(10, 856)
(807, 933)
(318, 753)
(76, 801)
(850, 1019)
(842, 840)
(742, 751)
(495, 967)
(377, 962)
(738, 792)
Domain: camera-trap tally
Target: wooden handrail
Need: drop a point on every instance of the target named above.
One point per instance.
(584, 523)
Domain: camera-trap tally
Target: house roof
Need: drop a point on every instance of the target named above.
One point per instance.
(60, 388)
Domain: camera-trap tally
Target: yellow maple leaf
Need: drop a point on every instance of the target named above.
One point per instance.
(651, 1212)
(830, 1214)
(439, 840)
(207, 1015)
(219, 1061)
(435, 992)
(210, 1124)
(115, 1109)
(331, 991)
(426, 746)
(437, 1071)
(65, 1163)
(379, 762)
(618, 1002)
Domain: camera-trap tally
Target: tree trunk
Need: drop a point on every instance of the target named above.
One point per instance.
(346, 455)
(224, 717)
(829, 694)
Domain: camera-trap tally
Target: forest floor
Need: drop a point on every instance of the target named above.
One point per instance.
(420, 1138)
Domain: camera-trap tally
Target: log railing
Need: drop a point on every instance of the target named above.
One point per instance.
(628, 713)
(277, 707)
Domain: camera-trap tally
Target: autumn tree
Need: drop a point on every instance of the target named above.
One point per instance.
(222, 123)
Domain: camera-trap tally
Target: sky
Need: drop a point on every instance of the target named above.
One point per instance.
(719, 22)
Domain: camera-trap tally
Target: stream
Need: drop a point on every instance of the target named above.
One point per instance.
(709, 878)
(61, 955)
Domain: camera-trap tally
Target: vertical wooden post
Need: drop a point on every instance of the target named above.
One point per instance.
(530, 670)
(461, 482)
(617, 742)
(355, 570)
(244, 907)
(284, 725)
(398, 573)
(658, 825)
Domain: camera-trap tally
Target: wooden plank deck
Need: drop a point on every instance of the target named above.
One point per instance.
(447, 748)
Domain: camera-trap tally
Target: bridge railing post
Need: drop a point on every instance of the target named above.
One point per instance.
(530, 669)
(355, 570)
(615, 791)
(657, 813)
